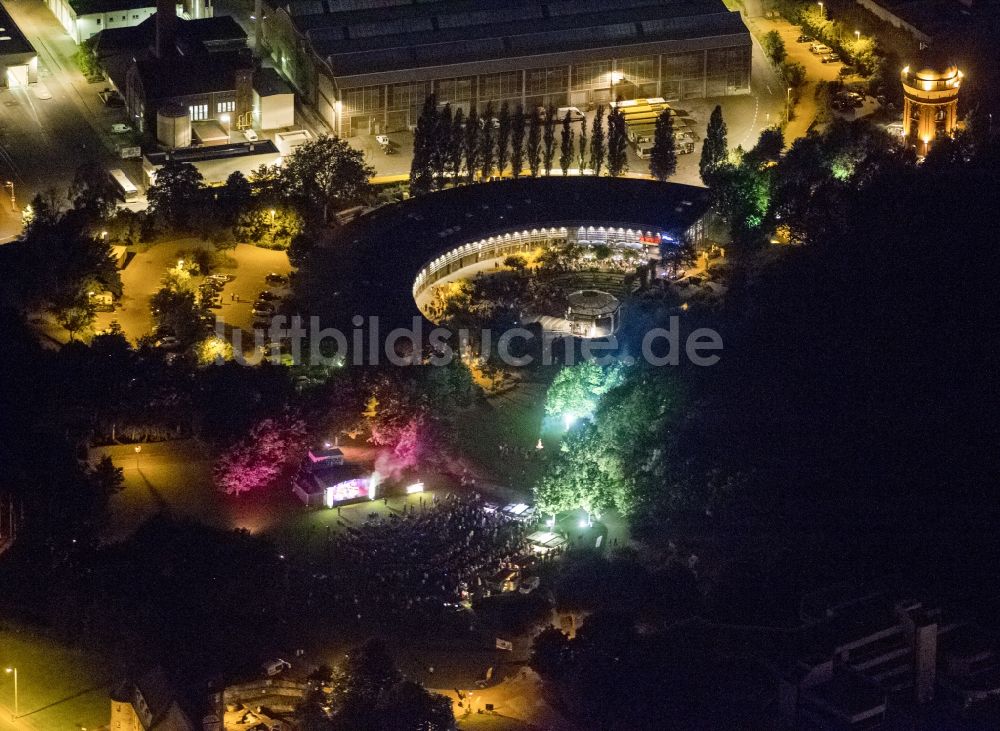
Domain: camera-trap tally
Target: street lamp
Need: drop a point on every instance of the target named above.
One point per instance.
(822, 12)
(272, 216)
(138, 448)
(857, 34)
(14, 671)
(788, 104)
(13, 201)
(225, 119)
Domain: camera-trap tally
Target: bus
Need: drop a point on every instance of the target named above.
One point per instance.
(125, 186)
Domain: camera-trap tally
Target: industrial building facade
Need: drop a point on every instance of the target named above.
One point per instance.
(368, 69)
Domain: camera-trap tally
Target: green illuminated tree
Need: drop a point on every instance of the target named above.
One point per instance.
(663, 161)
(576, 390)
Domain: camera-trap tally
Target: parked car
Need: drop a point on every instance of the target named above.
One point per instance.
(804, 38)
(262, 309)
(830, 58)
(120, 129)
(820, 48)
(222, 278)
(250, 135)
(276, 279)
(267, 296)
(168, 342)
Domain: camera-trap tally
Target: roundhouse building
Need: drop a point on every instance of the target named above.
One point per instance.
(385, 262)
(368, 65)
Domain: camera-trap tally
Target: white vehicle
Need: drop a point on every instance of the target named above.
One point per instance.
(125, 186)
(575, 115)
(276, 667)
(120, 129)
(250, 135)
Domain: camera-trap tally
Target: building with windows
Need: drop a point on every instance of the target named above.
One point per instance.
(368, 65)
(180, 72)
(18, 60)
(84, 19)
(930, 105)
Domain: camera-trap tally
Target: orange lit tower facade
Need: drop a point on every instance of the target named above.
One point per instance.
(930, 105)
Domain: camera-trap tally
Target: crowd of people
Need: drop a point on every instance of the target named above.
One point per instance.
(429, 557)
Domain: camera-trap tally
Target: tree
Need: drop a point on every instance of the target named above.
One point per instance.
(471, 145)
(267, 184)
(503, 138)
(175, 193)
(487, 151)
(176, 310)
(598, 144)
(774, 47)
(566, 145)
(369, 694)
(576, 390)
(517, 130)
(769, 145)
(421, 166)
(93, 192)
(234, 197)
(256, 461)
(455, 143)
(715, 150)
(76, 315)
(439, 145)
(107, 479)
(327, 173)
(617, 143)
(663, 161)
(534, 150)
(793, 73)
(549, 141)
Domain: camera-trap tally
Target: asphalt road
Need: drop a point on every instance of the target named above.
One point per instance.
(43, 140)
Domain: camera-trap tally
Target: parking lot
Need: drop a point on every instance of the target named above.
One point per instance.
(144, 274)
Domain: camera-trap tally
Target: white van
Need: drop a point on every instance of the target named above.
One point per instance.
(575, 115)
(276, 667)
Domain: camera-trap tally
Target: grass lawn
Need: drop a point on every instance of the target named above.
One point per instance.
(58, 688)
(499, 435)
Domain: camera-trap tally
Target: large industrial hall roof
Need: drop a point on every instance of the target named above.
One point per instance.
(371, 36)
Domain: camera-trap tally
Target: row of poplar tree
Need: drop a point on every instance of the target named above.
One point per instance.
(459, 147)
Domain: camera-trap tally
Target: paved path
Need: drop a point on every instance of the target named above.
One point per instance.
(806, 108)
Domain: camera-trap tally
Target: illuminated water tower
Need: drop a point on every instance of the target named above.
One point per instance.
(930, 105)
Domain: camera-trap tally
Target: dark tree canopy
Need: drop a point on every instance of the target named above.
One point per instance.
(663, 161)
